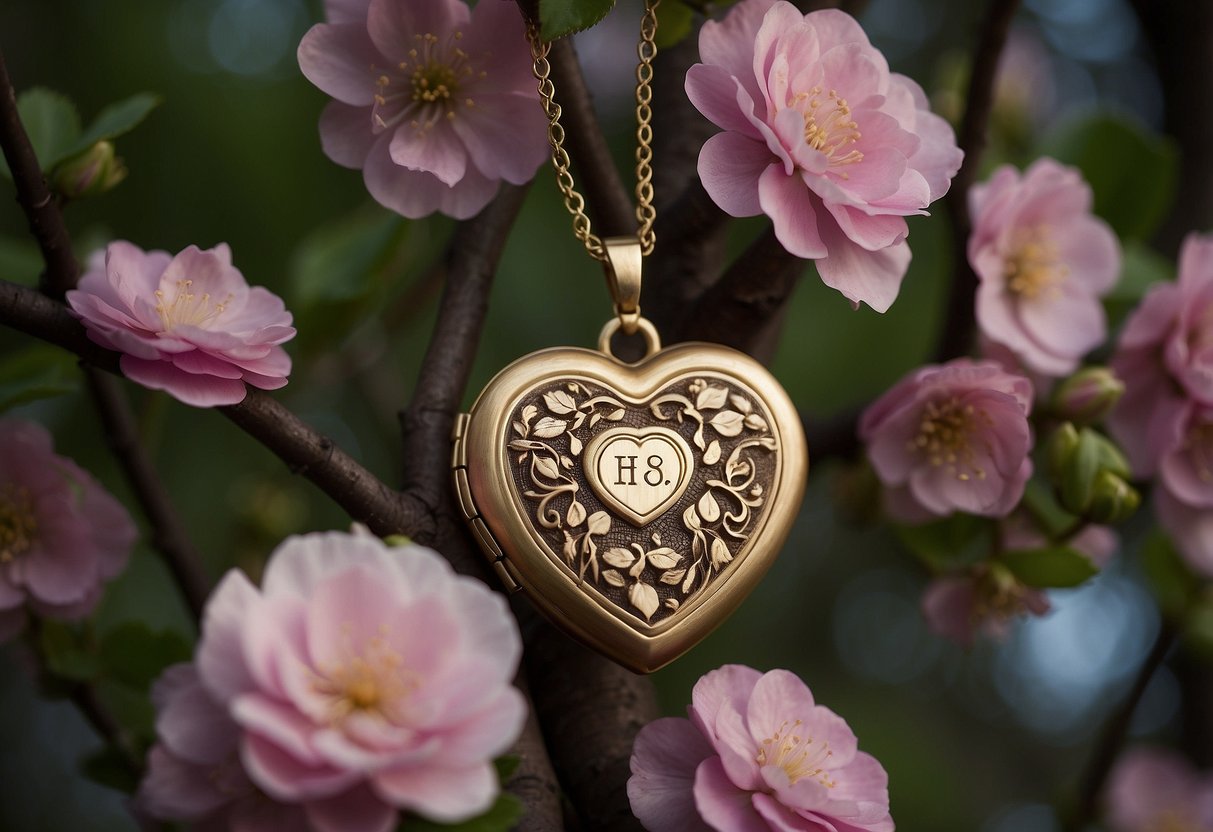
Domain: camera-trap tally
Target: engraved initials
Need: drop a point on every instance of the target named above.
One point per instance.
(630, 465)
(638, 472)
(654, 468)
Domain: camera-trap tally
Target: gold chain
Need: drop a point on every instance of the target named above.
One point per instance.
(646, 50)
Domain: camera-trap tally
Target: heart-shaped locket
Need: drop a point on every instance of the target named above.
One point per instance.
(636, 504)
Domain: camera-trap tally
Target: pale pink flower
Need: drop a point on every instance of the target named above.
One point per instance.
(61, 534)
(435, 103)
(1165, 358)
(1044, 261)
(189, 325)
(1157, 790)
(820, 137)
(951, 437)
(365, 679)
(1184, 496)
(757, 755)
(194, 772)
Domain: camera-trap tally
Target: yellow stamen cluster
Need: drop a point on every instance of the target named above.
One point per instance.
(798, 756)
(187, 308)
(426, 87)
(1034, 266)
(18, 526)
(1172, 821)
(945, 435)
(828, 126)
(374, 680)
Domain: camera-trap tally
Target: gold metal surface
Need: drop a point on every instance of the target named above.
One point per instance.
(640, 573)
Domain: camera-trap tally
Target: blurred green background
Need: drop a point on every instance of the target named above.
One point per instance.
(978, 741)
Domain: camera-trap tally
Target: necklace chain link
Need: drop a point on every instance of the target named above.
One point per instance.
(646, 214)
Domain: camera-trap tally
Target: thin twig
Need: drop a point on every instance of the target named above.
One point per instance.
(1107, 747)
(957, 335)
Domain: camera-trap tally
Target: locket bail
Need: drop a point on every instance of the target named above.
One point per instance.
(624, 259)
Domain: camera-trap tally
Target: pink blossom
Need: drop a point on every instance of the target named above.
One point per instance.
(189, 325)
(1165, 358)
(194, 772)
(364, 679)
(1184, 498)
(1153, 789)
(61, 534)
(951, 437)
(1044, 261)
(822, 138)
(435, 103)
(757, 755)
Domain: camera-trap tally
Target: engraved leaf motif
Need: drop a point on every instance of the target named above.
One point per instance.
(577, 420)
(644, 598)
(712, 455)
(673, 577)
(570, 547)
(711, 398)
(740, 403)
(755, 422)
(595, 419)
(547, 427)
(612, 577)
(619, 557)
(690, 519)
(709, 509)
(576, 513)
(615, 415)
(689, 581)
(599, 523)
(768, 442)
(528, 413)
(638, 567)
(547, 467)
(671, 603)
(664, 558)
(525, 445)
(565, 461)
(559, 402)
(726, 422)
(720, 553)
(574, 445)
(520, 428)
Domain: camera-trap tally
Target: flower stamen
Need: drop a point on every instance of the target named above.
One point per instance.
(944, 435)
(1034, 266)
(18, 527)
(828, 126)
(187, 308)
(798, 756)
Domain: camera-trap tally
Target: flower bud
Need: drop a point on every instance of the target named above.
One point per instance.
(1082, 461)
(1113, 500)
(90, 173)
(1088, 395)
(1060, 448)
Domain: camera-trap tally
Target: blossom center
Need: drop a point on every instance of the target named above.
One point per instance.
(1199, 445)
(1034, 266)
(829, 127)
(798, 756)
(1171, 821)
(426, 88)
(945, 437)
(18, 528)
(374, 681)
(187, 308)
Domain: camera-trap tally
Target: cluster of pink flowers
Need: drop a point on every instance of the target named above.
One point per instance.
(1165, 419)
(189, 325)
(1043, 261)
(359, 681)
(61, 534)
(757, 755)
(821, 137)
(1155, 790)
(433, 101)
(952, 437)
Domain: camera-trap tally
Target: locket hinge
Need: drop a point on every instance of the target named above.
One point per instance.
(463, 492)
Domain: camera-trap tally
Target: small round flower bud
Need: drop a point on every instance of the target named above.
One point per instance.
(1088, 395)
(90, 173)
(1060, 447)
(1113, 500)
(1078, 461)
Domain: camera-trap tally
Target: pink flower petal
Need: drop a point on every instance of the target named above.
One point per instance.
(220, 656)
(416, 194)
(199, 391)
(440, 794)
(730, 166)
(722, 99)
(786, 200)
(664, 759)
(396, 27)
(721, 804)
(516, 160)
(340, 59)
(285, 777)
(345, 134)
(357, 810)
(871, 277)
(430, 149)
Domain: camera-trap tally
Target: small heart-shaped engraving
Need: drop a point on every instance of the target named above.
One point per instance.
(639, 473)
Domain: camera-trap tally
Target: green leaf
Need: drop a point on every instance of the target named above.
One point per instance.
(110, 768)
(674, 21)
(1132, 172)
(52, 124)
(135, 655)
(67, 651)
(1051, 566)
(1040, 501)
(502, 817)
(506, 766)
(955, 541)
(37, 372)
(336, 262)
(1174, 585)
(115, 120)
(558, 18)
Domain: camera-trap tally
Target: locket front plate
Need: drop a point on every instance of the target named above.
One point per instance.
(645, 560)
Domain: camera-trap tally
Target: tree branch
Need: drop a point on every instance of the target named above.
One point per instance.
(957, 334)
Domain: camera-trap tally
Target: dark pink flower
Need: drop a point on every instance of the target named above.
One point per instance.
(757, 755)
(952, 437)
(820, 137)
(1184, 497)
(982, 603)
(1156, 790)
(61, 534)
(189, 325)
(1044, 261)
(365, 679)
(435, 103)
(1165, 358)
